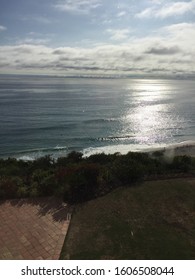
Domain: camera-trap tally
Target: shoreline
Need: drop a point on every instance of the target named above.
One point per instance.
(168, 151)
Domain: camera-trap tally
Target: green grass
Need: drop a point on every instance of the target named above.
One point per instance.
(155, 220)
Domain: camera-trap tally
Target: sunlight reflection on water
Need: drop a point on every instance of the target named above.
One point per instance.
(152, 114)
(39, 115)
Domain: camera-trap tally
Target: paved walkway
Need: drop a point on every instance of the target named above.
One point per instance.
(32, 229)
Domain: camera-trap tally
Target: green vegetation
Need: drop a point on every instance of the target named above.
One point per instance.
(153, 220)
(141, 220)
(80, 179)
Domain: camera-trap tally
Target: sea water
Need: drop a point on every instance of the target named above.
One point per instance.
(45, 115)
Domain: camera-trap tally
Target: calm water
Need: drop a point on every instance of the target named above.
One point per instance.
(48, 115)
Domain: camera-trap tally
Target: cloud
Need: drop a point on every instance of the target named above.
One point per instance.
(118, 34)
(182, 34)
(178, 8)
(2, 28)
(156, 1)
(163, 50)
(121, 14)
(147, 13)
(167, 10)
(33, 41)
(38, 19)
(172, 52)
(77, 6)
(34, 38)
(180, 28)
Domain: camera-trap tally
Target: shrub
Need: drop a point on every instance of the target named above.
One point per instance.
(79, 179)
(128, 171)
(158, 154)
(182, 163)
(42, 163)
(107, 180)
(62, 161)
(9, 187)
(82, 182)
(34, 190)
(100, 158)
(22, 192)
(139, 157)
(13, 167)
(45, 182)
(74, 157)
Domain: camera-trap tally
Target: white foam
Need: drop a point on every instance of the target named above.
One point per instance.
(60, 151)
(59, 148)
(26, 158)
(124, 149)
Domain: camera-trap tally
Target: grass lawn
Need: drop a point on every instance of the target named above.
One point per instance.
(154, 220)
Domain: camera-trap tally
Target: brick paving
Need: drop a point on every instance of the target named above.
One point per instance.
(32, 229)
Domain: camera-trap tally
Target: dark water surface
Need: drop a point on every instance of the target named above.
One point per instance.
(49, 115)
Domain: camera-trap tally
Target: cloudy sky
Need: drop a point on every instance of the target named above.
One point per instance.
(98, 37)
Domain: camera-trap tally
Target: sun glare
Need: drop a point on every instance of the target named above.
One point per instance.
(146, 113)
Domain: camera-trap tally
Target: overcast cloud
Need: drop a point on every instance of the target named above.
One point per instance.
(93, 37)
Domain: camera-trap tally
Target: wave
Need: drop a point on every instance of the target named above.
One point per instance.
(61, 151)
(101, 120)
(57, 148)
(32, 154)
(124, 149)
(26, 158)
(103, 138)
(111, 149)
(108, 138)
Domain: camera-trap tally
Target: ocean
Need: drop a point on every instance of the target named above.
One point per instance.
(45, 115)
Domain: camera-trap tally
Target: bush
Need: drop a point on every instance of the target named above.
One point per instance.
(128, 171)
(82, 182)
(9, 187)
(158, 154)
(138, 157)
(13, 167)
(78, 179)
(43, 163)
(100, 158)
(182, 163)
(107, 181)
(34, 190)
(62, 161)
(74, 157)
(22, 192)
(45, 182)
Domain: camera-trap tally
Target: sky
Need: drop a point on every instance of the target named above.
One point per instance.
(98, 37)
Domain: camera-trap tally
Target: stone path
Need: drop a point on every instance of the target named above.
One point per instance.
(32, 229)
